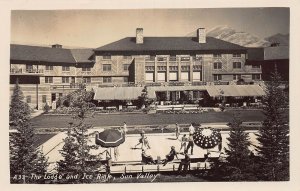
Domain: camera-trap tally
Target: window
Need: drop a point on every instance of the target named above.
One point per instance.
(217, 55)
(256, 66)
(196, 76)
(126, 67)
(161, 58)
(125, 79)
(86, 69)
(172, 58)
(217, 65)
(185, 58)
(237, 76)
(28, 99)
(48, 79)
(217, 77)
(106, 67)
(161, 76)
(237, 65)
(107, 57)
(49, 67)
(65, 80)
(106, 79)
(86, 80)
(149, 76)
(127, 57)
(185, 76)
(173, 76)
(29, 68)
(255, 76)
(173, 68)
(236, 55)
(185, 68)
(66, 68)
(151, 68)
(44, 98)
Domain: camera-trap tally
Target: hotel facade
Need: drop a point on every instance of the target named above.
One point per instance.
(121, 69)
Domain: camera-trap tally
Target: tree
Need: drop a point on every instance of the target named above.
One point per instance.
(25, 159)
(76, 150)
(239, 165)
(274, 134)
(144, 98)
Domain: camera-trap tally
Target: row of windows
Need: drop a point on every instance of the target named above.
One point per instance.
(235, 65)
(173, 68)
(49, 79)
(218, 77)
(172, 57)
(105, 67)
(233, 55)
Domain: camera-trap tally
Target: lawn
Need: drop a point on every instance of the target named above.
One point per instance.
(41, 138)
(53, 121)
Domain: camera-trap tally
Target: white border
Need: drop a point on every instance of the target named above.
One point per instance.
(6, 6)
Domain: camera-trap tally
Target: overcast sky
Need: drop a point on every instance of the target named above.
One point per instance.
(94, 28)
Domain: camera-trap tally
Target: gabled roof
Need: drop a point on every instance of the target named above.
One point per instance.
(82, 55)
(169, 44)
(47, 54)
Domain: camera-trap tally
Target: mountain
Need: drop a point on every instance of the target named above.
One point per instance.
(241, 38)
(282, 39)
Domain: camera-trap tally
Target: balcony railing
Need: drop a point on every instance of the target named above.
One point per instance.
(26, 71)
(67, 86)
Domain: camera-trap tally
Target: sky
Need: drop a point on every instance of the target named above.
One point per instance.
(95, 28)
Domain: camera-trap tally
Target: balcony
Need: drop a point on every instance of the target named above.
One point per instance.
(66, 86)
(26, 71)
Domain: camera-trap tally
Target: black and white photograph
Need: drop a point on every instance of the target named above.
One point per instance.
(149, 95)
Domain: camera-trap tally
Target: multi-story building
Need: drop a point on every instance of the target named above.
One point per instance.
(165, 64)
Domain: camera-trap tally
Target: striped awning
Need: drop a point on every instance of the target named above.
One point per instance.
(118, 93)
(235, 90)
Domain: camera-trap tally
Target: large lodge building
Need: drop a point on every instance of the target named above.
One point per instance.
(168, 66)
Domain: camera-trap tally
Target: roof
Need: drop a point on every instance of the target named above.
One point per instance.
(277, 53)
(268, 53)
(118, 93)
(255, 54)
(169, 44)
(82, 55)
(48, 54)
(235, 90)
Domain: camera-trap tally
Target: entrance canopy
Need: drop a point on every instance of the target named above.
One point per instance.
(118, 93)
(235, 90)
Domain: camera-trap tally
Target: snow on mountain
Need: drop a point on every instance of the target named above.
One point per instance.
(241, 38)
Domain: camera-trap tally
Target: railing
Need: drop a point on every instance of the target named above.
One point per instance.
(26, 71)
(221, 83)
(67, 86)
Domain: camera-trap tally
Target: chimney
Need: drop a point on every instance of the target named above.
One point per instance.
(139, 36)
(201, 35)
(56, 46)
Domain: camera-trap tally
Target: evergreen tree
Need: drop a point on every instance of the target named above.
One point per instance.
(25, 159)
(76, 150)
(274, 134)
(238, 154)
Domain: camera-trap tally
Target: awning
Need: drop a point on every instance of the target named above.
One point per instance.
(235, 90)
(118, 93)
(152, 90)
